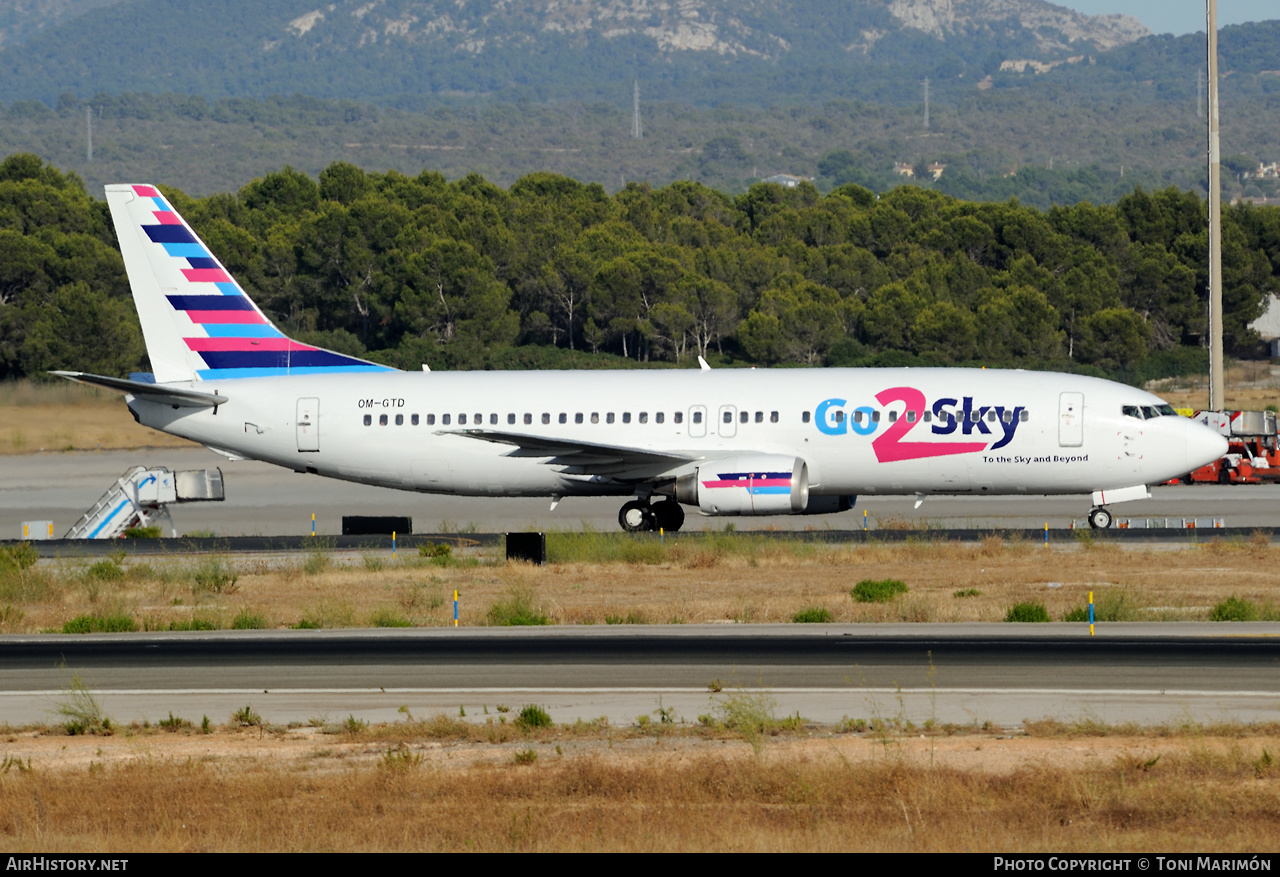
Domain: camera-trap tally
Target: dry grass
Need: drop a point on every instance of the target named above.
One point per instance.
(1250, 386)
(697, 581)
(599, 788)
(62, 416)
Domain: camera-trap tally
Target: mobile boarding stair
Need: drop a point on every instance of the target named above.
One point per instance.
(141, 498)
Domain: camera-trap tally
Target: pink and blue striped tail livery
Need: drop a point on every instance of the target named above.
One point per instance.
(198, 323)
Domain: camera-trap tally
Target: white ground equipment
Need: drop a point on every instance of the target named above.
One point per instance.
(140, 498)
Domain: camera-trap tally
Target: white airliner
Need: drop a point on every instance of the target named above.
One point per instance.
(727, 441)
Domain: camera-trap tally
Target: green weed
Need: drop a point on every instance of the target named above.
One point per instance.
(248, 620)
(117, 623)
(246, 717)
(516, 611)
(881, 591)
(214, 575)
(20, 556)
(152, 532)
(389, 618)
(533, 716)
(813, 615)
(174, 723)
(631, 617)
(81, 711)
(1027, 612)
(401, 758)
(1234, 609)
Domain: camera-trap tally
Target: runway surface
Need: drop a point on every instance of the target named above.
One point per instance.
(264, 500)
(961, 673)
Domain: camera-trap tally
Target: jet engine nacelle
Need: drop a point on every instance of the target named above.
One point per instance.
(755, 484)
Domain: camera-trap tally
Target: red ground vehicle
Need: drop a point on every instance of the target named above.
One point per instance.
(1252, 455)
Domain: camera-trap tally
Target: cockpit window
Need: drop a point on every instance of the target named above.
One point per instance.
(1148, 412)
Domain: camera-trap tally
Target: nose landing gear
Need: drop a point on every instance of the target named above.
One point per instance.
(1100, 518)
(640, 516)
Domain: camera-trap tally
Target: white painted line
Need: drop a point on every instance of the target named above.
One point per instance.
(249, 692)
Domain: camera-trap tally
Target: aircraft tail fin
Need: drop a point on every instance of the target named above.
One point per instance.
(197, 322)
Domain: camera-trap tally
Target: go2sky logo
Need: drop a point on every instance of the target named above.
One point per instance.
(948, 415)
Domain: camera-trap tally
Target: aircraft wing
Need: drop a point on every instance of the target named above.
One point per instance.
(586, 458)
(178, 397)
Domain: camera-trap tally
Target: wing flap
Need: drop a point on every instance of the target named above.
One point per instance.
(586, 458)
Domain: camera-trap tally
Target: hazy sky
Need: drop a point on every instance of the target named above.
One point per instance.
(1178, 16)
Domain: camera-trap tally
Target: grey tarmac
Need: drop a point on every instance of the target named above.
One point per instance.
(966, 674)
(266, 500)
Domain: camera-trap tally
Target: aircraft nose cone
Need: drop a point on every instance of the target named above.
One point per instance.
(1203, 446)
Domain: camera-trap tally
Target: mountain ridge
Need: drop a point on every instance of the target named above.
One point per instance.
(545, 49)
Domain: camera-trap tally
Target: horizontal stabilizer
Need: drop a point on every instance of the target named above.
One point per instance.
(179, 397)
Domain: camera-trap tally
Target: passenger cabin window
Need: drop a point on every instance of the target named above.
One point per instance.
(414, 420)
(744, 417)
(626, 417)
(608, 418)
(1007, 417)
(399, 420)
(479, 419)
(528, 419)
(657, 417)
(493, 419)
(697, 417)
(546, 418)
(911, 417)
(1024, 417)
(773, 417)
(382, 420)
(595, 416)
(857, 417)
(804, 417)
(444, 419)
(991, 417)
(577, 418)
(462, 419)
(644, 416)
(893, 417)
(678, 417)
(928, 416)
(728, 417)
(431, 420)
(511, 418)
(839, 417)
(564, 418)
(875, 416)
(368, 419)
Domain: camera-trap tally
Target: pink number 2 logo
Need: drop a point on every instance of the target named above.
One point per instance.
(890, 447)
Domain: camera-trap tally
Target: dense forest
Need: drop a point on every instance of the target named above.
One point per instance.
(551, 272)
(995, 146)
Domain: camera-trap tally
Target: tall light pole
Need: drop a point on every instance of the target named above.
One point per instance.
(1217, 381)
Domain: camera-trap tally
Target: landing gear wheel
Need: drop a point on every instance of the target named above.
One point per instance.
(668, 516)
(1100, 518)
(636, 517)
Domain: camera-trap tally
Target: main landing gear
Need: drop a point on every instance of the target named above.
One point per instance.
(640, 515)
(1100, 517)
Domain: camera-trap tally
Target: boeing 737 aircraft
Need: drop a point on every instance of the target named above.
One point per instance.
(728, 441)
